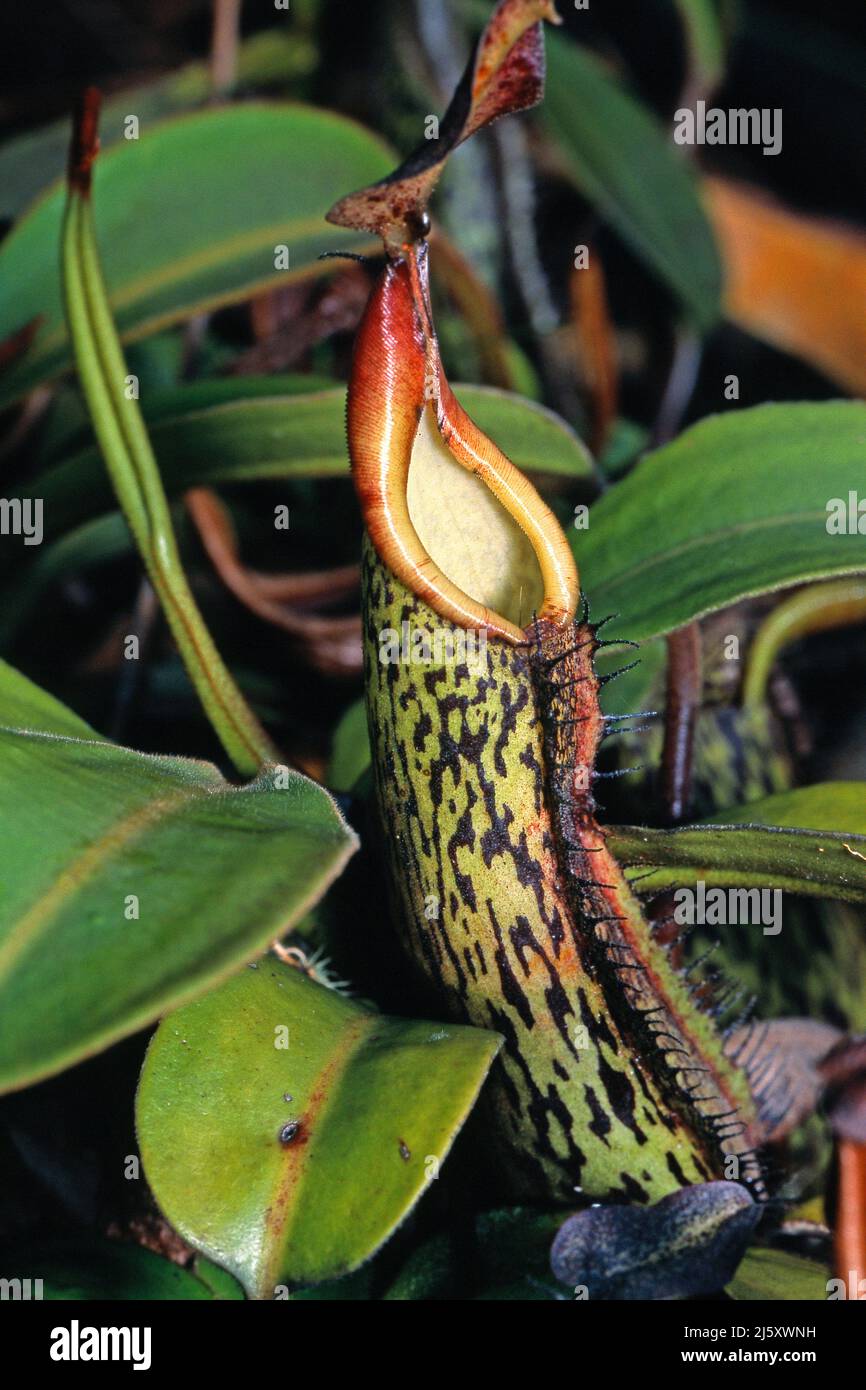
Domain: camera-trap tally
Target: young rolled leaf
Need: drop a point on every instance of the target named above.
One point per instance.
(137, 881)
(286, 1131)
(129, 458)
(816, 608)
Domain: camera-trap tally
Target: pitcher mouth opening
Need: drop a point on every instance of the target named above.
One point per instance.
(415, 450)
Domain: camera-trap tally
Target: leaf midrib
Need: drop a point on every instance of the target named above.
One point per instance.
(328, 1082)
(74, 877)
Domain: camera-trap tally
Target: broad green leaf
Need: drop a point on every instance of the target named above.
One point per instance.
(626, 164)
(29, 162)
(737, 505)
(169, 400)
(286, 1131)
(107, 1270)
(766, 1276)
(834, 806)
(811, 840)
(189, 217)
(101, 833)
(201, 439)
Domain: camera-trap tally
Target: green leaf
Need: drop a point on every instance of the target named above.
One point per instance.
(777, 1275)
(217, 1280)
(169, 400)
(705, 42)
(201, 439)
(29, 162)
(350, 752)
(622, 160)
(626, 442)
(24, 705)
(290, 1156)
(811, 840)
(832, 806)
(107, 1270)
(217, 871)
(189, 217)
(737, 505)
(497, 1255)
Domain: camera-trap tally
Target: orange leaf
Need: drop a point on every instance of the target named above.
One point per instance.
(796, 282)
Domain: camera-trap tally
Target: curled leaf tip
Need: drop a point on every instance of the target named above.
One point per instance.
(505, 75)
(84, 146)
